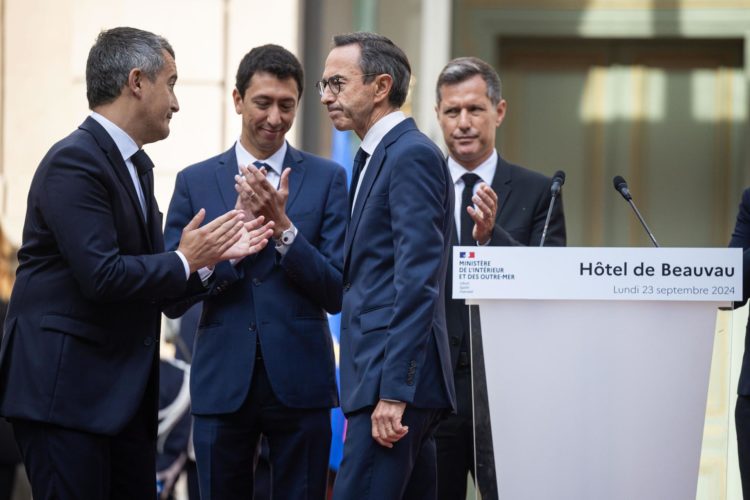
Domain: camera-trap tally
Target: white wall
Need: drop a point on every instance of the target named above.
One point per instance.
(46, 43)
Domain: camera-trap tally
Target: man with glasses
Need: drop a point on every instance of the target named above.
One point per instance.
(263, 361)
(396, 380)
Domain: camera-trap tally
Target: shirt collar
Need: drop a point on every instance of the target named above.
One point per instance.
(485, 170)
(123, 141)
(275, 161)
(379, 130)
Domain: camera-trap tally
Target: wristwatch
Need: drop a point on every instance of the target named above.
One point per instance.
(287, 237)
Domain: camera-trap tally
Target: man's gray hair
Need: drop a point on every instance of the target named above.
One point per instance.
(116, 52)
(463, 68)
(378, 56)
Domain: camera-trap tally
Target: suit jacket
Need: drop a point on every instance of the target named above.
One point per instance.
(393, 335)
(82, 334)
(281, 301)
(741, 239)
(523, 200)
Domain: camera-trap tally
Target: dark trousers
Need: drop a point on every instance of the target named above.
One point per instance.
(299, 441)
(67, 464)
(742, 423)
(371, 471)
(455, 443)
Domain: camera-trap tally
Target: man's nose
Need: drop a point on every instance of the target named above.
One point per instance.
(464, 120)
(327, 96)
(274, 115)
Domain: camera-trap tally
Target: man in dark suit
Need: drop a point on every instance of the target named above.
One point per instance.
(498, 204)
(395, 362)
(263, 360)
(741, 239)
(78, 365)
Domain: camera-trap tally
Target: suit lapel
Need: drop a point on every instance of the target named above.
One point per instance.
(502, 185)
(228, 168)
(225, 173)
(373, 169)
(121, 170)
(371, 174)
(293, 159)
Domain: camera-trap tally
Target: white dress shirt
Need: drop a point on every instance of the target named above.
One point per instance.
(485, 171)
(373, 138)
(128, 148)
(275, 162)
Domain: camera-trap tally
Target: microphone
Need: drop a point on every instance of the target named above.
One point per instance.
(557, 181)
(622, 187)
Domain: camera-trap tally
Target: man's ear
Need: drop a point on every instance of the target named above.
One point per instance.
(135, 81)
(237, 98)
(383, 85)
(502, 106)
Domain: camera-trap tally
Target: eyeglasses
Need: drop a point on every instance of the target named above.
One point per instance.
(334, 83)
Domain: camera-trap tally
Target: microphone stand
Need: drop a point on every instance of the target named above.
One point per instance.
(643, 222)
(546, 221)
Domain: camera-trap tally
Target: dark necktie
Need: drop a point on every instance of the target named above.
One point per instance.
(261, 164)
(143, 166)
(467, 224)
(359, 163)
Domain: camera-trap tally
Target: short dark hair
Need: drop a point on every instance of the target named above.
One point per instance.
(379, 55)
(272, 59)
(463, 68)
(115, 53)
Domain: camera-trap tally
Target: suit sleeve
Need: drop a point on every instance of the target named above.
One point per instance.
(741, 239)
(181, 212)
(555, 231)
(418, 201)
(76, 201)
(317, 269)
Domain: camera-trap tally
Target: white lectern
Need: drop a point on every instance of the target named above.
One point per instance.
(596, 363)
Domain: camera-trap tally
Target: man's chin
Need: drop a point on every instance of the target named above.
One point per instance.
(342, 125)
(464, 155)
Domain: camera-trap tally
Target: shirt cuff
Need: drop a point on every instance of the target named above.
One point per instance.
(184, 264)
(205, 273)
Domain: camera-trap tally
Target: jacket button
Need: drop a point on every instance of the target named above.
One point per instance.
(454, 340)
(148, 341)
(347, 286)
(256, 282)
(252, 326)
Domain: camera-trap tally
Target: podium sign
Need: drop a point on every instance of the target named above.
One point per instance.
(591, 367)
(692, 274)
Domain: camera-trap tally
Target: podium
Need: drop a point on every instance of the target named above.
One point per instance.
(591, 367)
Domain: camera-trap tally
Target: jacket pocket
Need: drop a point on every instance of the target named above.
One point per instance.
(74, 327)
(376, 319)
